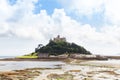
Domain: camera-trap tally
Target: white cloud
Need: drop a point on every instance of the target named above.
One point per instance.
(22, 23)
(107, 40)
(83, 7)
(112, 11)
(5, 10)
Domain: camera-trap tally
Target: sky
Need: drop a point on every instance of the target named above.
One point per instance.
(93, 24)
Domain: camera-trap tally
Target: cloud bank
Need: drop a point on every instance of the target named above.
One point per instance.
(20, 21)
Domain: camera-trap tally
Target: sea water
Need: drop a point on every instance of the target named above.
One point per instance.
(18, 65)
(3, 57)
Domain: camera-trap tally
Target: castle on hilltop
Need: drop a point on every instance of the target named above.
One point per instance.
(59, 39)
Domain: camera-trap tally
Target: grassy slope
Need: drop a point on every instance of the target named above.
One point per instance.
(27, 57)
(31, 55)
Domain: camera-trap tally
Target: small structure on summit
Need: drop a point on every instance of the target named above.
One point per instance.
(59, 39)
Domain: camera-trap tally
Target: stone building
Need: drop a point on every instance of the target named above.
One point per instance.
(43, 55)
(59, 39)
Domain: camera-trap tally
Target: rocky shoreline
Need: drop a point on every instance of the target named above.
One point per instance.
(27, 74)
(56, 58)
(63, 57)
(74, 69)
(26, 59)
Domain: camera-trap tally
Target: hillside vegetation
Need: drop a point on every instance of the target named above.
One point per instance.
(61, 47)
(57, 46)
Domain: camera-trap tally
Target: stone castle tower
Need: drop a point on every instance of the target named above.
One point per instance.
(59, 39)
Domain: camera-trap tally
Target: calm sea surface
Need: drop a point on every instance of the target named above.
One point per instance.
(16, 65)
(3, 57)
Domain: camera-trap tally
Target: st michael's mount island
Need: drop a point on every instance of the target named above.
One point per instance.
(58, 47)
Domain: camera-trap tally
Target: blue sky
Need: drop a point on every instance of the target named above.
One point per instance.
(48, 5)
(90, 23)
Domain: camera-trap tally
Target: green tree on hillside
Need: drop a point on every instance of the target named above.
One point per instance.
(61, 47)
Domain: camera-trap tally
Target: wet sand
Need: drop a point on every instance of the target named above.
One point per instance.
(83, 70)
(74, 69)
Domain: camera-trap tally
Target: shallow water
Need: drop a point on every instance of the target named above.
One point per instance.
(16, 65)
(112, 61)
(4, 57)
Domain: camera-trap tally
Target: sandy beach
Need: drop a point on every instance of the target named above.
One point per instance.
(73, 69)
